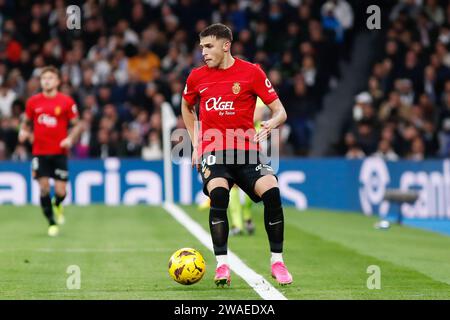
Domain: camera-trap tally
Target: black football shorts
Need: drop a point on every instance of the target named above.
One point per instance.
(52, 166)
(243, 168)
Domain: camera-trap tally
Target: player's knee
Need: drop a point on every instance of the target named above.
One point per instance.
(60, 193)
(271, 198)
(220, 197)
(60, 196)
(44, 191)
(266, 182)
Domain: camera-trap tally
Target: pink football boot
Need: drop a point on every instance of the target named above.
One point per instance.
(222, 276)
(281, 273)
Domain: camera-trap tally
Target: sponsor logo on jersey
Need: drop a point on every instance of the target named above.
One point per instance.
(47, 120)
(269, 86)
(236, 88)
(218, 105)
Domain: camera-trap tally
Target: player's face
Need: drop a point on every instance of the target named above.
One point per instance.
(49, 81)
(213, 50)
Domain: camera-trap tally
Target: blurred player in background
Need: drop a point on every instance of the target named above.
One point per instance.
(45, 124)
(241, 213)
(226, 89)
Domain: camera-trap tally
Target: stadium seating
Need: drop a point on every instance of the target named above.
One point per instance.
(129, 59)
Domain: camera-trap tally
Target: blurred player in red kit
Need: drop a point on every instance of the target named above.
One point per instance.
(226, 89)
(45, 124)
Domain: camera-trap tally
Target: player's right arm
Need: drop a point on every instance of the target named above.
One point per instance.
(188, 102)
(190, 121)
(25, 132)
(24, 129)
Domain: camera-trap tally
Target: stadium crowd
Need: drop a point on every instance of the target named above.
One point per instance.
(405, 112)
(130, 57)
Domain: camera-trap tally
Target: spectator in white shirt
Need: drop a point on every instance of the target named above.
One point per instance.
(7, 97)
(385, 151)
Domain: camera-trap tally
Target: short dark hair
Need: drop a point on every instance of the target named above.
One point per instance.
(218, 30)
(52, 69)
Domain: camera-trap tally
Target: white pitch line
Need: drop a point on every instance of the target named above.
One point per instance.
(100, 250)
(254, 280)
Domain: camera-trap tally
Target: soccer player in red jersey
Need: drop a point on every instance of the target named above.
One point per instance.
(226, 89)
(45, 123)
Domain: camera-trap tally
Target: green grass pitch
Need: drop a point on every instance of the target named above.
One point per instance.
(123, 253)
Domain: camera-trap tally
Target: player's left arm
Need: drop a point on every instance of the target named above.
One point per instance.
(279, 116)
(75, 132)
(77, 126)
(264, 89)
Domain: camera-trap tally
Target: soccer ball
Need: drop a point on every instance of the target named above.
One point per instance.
(187, 266)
